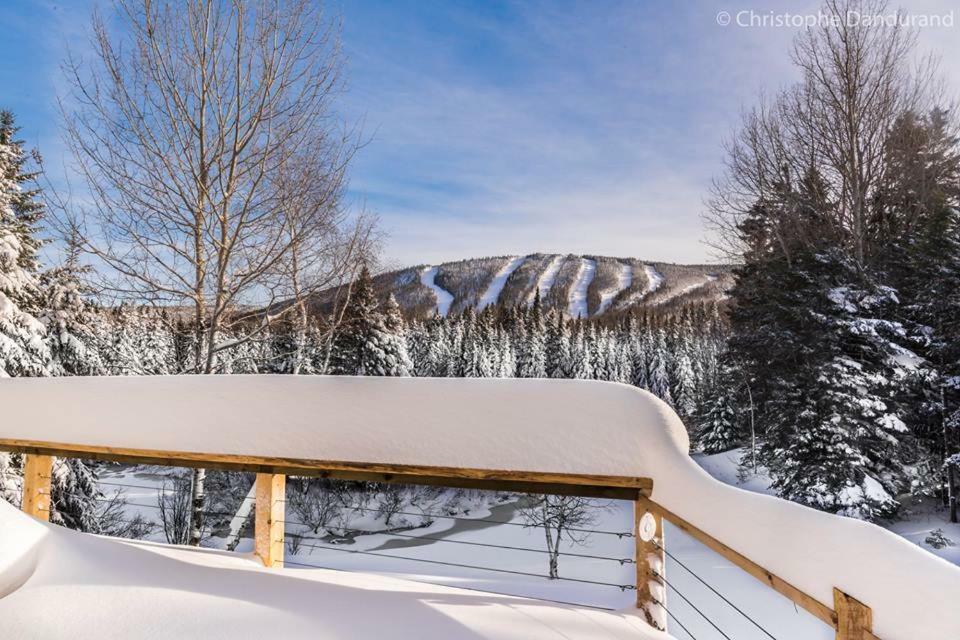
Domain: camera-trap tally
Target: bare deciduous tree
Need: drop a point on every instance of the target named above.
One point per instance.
(212, 155)
(174, 506)
(561, 518)
(857, 78)
(316, 503)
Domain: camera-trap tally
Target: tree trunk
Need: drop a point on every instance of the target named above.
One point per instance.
(197, 499)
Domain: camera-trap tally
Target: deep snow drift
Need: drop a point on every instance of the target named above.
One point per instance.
(531, 425)
(56, 583)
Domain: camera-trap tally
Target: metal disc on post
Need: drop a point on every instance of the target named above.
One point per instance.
(647, 528)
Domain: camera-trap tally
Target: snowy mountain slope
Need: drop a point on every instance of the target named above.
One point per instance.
(492, 294)
(605, 285)
(547, 277)
(444, 298)
(612, 278)
(578, 307)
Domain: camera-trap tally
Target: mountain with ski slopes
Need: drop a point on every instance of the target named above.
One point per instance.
(578, 285)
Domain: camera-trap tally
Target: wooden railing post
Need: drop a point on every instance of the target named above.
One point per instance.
(37, 472)
(268, 525)
(651, 562)
(854, 619)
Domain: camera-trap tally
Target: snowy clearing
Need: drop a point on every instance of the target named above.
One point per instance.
(546, 279)
(444, 298)
(492, 294)
(578, 294)
(624, 280)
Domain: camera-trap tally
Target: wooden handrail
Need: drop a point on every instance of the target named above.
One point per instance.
(852, 619)
(809, 603)
(586, 485)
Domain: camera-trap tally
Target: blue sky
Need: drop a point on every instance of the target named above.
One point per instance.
(511, 127)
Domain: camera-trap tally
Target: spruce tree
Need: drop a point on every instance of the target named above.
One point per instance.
(23, 350)
(717, 431)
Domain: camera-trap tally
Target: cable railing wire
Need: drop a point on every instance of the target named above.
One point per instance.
(459, 586)
(621, 561)
(622, 587)
(692, 606)
(619, 534)
(717, 593)
(675, 619)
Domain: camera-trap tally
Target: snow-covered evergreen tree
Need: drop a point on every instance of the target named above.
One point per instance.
(23, 348)
(718, 430)
(557, 347)
(532, 350)
(368, 341)
(69, 319)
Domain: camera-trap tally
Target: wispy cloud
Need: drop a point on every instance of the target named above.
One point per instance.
(498, 128)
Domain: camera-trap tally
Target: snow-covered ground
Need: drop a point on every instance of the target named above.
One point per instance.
(457, 552)
(444, 298)
(918, 520)
(535, 425)
(547, 278)
(58, 584)
(493, 535)
(578, 294)
(492, 294)
(624, 280)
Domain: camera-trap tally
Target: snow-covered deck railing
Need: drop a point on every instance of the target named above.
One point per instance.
(574, 437)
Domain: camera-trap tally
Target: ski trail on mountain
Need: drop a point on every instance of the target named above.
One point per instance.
(624, 280)
(492, 294)
(546, 279)
(654, 277)
(687, 289)
(578, 295)
(444, 298)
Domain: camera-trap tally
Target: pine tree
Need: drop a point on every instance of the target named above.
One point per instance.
(23, 350)
(557, 347)
(718, 430)
(68, 320)
(370, 342)
(395, 359)
(535, 365)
